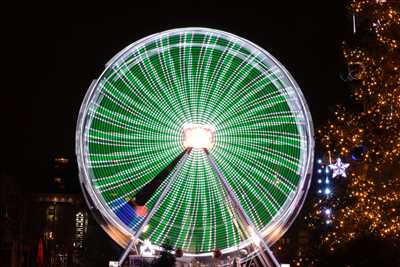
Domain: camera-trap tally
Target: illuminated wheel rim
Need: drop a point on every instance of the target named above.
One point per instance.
(130, 128)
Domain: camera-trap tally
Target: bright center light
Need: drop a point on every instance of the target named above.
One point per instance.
(198, 136)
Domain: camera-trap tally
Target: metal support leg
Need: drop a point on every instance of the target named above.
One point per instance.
(126, 252)
(268, 258)
(155, 208)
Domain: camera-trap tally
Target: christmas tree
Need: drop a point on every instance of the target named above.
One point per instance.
(365, 133)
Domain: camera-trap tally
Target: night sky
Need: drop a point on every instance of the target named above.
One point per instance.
(53, 53)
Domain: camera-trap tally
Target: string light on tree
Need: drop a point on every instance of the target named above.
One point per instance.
(367, 132)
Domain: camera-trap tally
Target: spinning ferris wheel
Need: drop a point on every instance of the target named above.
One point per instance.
(198, 138)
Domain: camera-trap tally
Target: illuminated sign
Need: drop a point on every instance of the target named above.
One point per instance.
(80, 229)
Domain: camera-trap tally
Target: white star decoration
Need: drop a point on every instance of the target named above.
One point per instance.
(147, 249)
(339, 168)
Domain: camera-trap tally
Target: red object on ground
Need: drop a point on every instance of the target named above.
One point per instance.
(39, 257)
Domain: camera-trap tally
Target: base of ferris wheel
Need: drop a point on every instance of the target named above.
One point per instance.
(251, 256)
(258, 253)
(242, 258)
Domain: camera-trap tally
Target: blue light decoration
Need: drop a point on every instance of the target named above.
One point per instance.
(328, 215)
(324, 175)
(328, 211)
(325, 190)
(327, 173)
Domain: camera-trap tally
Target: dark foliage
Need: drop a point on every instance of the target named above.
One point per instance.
(166, 259)
(366, 251)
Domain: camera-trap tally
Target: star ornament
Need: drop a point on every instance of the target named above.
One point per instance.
(339, 168)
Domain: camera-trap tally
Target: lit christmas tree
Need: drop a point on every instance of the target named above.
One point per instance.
(366, 135)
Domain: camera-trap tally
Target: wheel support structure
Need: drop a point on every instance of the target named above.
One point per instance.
(148, 217)
(266, 255)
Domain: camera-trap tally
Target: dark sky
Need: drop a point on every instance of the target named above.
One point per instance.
(54, 53)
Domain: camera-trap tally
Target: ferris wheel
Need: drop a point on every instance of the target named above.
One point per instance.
(198, 138)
